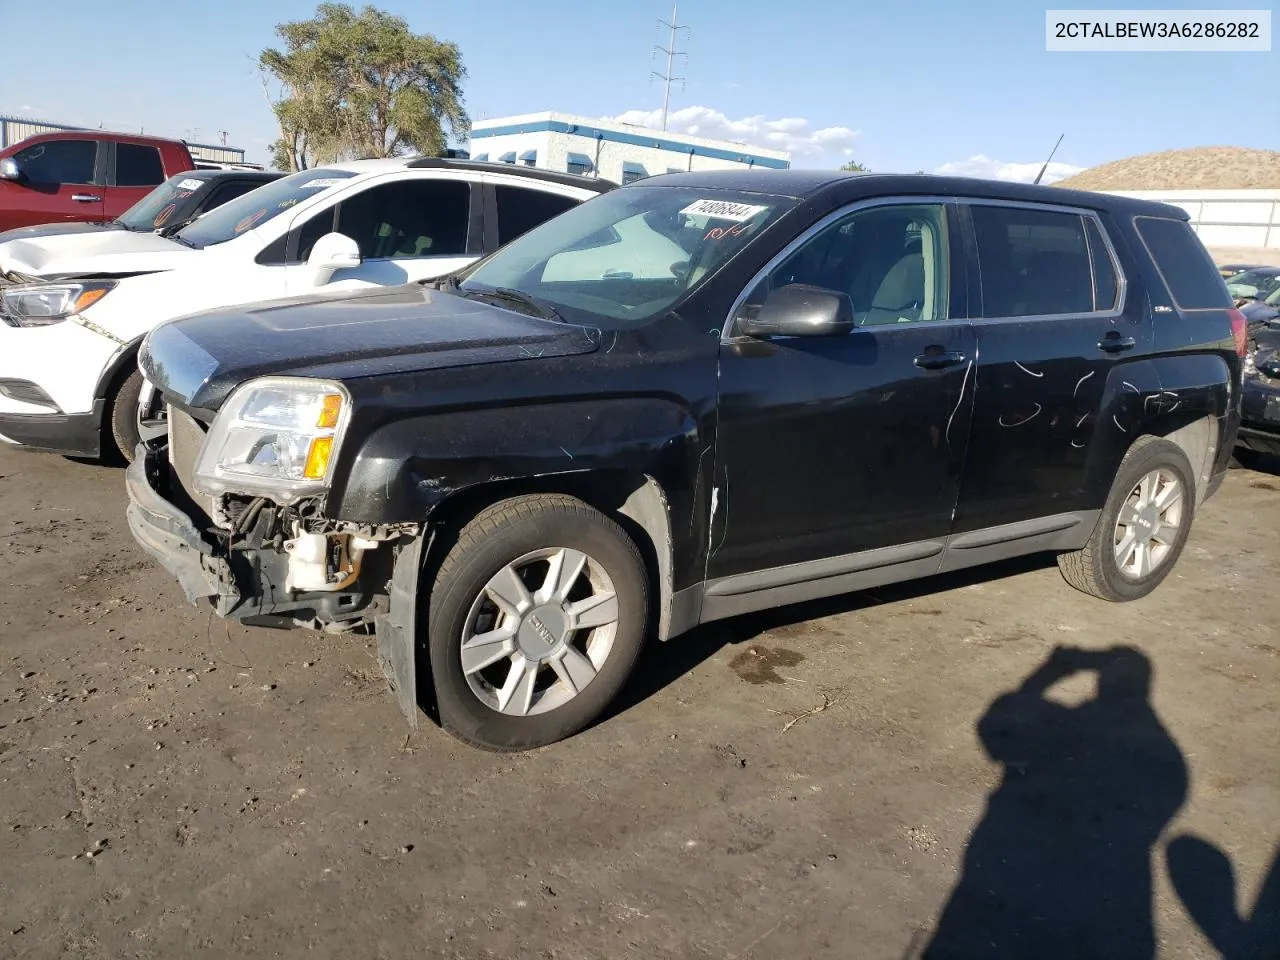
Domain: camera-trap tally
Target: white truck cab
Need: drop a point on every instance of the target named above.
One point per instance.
(74, 308)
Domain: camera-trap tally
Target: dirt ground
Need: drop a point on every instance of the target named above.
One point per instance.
(804, 784)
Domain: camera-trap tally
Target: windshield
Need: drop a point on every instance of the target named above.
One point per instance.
(162, 205)
(256, 207)
(1264, 281)
(628, 255)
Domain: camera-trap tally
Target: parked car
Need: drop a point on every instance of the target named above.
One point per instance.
(1256, 284)
(1260, 405)
(1263, 311)
(73, 318)
(823, 383)
(83, 175)
(167, 208)
(1229, 270)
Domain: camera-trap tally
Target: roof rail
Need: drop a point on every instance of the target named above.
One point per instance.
(533, 173)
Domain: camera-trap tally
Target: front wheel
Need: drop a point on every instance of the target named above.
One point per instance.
(537, 616)
(1143, 526)
(123, 418)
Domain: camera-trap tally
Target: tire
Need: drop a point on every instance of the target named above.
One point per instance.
(1096, 569)
(124, 418)
(562, 697)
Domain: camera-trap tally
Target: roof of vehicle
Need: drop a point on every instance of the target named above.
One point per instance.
(801, 184)
(383, 165)
(264, 176)
(107, 135)
(1263, 271)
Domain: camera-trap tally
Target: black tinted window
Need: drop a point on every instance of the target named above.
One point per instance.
(520, 210)
(1190, 275)
(1106, 282)
(59, 161)
(1033, 262)
(228, 191)
(411, 218)
(311, 231)
(138, 165)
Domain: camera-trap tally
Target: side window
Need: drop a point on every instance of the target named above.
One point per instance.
(892, 261)
(311, 231)
(1183, 262)
(520, 210)
(1033, 262)
(228, 191)
(409, 218)
(59, 161)
(1106, 281)
(138, 165)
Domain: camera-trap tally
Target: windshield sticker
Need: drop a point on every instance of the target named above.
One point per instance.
(190, 184)
(723, 210)
(320, 182)
(250, 220)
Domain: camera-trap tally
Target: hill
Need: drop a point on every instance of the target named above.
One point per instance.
(1197, 168)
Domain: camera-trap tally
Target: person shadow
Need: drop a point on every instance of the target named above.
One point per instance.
(1060, 864)
(1205, 882)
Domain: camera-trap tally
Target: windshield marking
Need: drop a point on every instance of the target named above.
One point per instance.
(723, 210)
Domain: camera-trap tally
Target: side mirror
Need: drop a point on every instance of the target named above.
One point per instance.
(800, 310)
(9, 170)
(332, 252)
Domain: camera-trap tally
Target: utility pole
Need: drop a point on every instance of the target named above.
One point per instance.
(223, 134)
(671, 52)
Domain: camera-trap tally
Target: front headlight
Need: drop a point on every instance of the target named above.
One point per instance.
(40, 304)
(276, 437)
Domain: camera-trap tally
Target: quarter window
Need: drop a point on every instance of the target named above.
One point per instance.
(408, 219)
(138, 165)
(1033, 262)
(891, 261)
(520, 210)
(59, 161)
(1193, 281)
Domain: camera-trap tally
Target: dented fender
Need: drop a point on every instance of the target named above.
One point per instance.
(405, 469)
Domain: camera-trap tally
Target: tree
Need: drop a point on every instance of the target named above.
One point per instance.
(853, 166)
(361, 85)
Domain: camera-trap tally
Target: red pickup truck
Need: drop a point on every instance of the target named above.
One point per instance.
(83, 175)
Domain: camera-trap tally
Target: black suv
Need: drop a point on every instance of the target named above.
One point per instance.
(695, 396)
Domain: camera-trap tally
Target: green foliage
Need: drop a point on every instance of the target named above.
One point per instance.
(361, 85)
(853, 166)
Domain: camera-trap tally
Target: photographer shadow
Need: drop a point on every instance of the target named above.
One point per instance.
(1060, 865)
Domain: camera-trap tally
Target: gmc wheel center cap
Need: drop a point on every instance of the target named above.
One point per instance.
(541, 630)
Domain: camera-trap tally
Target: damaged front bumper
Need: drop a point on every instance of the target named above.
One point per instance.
(241, 580)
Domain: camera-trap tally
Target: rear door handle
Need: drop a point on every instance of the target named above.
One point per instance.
(1116, 343)
(936, 358)
(85, 198)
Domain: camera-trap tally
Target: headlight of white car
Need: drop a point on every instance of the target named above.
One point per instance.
(40, 304)
(276, 437)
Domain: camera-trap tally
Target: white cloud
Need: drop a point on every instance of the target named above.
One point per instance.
(983, 166)
(786, 133)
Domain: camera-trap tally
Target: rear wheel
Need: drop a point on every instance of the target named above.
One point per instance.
(123, 413)
(537, 615)
(1143, 526)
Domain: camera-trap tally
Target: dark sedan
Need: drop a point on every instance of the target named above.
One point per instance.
(174, 203)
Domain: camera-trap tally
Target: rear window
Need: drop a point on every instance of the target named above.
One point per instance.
(138, 165)
(1184, 264)
(1034, 263)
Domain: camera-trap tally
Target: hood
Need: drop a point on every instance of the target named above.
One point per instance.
(198, 360)
(91, 253)
(57, 229)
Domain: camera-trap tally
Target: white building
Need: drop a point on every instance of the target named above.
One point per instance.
(1225, 218)
(619, 152)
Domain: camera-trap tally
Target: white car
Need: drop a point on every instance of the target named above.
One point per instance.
(74, 308)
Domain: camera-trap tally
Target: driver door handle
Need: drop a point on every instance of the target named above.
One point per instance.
(1116, 343)
(937, 359)
(85, 198)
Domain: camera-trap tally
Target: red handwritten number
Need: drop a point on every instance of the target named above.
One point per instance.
(718, 233)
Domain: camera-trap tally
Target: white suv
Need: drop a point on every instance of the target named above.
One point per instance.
(73, 313)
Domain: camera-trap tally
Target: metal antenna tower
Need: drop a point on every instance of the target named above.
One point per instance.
(668, 78)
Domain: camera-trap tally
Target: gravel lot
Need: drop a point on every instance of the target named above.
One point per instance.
(805, 784)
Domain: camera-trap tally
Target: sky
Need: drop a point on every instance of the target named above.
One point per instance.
(946, 87)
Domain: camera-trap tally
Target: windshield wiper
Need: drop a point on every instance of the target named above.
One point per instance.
(184, 241)
(540, 308)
